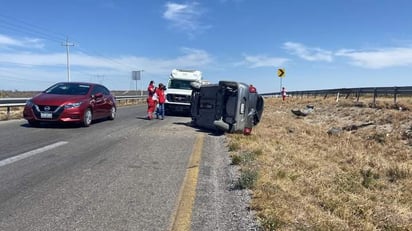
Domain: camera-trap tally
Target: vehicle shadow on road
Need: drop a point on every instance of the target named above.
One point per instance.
(58, 125)
(209, 132)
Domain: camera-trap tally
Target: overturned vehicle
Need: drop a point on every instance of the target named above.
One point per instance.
(228, 106)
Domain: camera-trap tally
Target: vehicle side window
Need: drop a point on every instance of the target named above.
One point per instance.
(105, 91)
(100, 89)
(95, 90)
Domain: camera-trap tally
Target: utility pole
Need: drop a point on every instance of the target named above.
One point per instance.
(67, 44)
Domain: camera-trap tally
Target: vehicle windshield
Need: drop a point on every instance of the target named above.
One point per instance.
(180, 84)
(68, 89)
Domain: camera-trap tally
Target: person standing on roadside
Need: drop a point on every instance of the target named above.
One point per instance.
(161, 98)
(283, 92)
(252, 89)
(151, 103)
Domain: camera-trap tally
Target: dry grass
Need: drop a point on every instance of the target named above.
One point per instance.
(308, 179)
(15, 113)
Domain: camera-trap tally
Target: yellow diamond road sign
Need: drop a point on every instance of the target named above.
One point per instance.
(281, 73)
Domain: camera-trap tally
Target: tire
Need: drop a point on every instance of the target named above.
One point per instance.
(87, 117)
(113, 112)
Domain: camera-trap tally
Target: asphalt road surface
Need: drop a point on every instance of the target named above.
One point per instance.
(126, 174)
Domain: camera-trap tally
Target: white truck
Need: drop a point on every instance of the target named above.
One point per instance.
(179, 91)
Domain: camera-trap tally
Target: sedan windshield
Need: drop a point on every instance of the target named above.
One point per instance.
(68, 89)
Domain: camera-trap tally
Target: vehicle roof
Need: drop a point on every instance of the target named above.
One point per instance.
(186, 74)
(88, 83)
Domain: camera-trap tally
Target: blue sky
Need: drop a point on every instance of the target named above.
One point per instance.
(321, 44)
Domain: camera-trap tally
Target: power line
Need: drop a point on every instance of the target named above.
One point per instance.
(18, 25)
(21, 26)
(9, 23)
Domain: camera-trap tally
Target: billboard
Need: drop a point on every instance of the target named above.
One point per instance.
(135, 75)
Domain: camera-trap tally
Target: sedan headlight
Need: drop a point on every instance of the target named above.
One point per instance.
(29, 103)
(72, 105)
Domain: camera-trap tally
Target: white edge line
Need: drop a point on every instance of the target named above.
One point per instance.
(31, 153)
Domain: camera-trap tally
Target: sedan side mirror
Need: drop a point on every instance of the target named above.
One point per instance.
(98, 95)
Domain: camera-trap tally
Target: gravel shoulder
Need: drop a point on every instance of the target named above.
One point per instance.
(218, 205)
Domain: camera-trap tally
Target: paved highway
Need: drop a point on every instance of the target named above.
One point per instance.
(126, 174)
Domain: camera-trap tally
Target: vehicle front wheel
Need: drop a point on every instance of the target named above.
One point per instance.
(87, 118)
(112, 113)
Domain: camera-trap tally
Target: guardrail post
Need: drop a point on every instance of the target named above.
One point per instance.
(348, 94)
(8, 113)
(375, 94)
(337, 97)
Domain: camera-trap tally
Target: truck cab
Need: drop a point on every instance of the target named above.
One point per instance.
(179, 91)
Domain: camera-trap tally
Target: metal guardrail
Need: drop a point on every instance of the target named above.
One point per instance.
(357, 92)
(20, 102)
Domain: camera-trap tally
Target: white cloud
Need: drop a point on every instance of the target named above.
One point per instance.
(254, 61)
(184, 17)
(8, 42)
(310, 54)
(190, 58)
(45, 69)
(380, 58)
(194, 57)
(371, 59)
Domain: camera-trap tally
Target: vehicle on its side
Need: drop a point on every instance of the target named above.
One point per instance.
(74, 102)
(228, 106)
(179, 91)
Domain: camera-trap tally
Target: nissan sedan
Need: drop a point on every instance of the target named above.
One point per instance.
(74, 102)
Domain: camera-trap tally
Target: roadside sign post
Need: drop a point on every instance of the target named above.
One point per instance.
(137, 75)
(281, 75)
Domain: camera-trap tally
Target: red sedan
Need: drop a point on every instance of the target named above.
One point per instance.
(71, 102)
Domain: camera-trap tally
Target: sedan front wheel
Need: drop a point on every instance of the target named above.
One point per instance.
(112, 113)
(87, 118)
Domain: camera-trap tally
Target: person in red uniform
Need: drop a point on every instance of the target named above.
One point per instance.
(161, 98)
(283, 92)
(151, 103)
(252, 89)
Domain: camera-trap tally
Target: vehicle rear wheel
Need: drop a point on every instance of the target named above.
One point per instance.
(112, 113)
(87, 117)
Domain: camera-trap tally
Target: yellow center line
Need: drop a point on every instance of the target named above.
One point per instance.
(182, 216)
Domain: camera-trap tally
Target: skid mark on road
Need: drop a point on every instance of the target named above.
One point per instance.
(181, 219)
(31, 153)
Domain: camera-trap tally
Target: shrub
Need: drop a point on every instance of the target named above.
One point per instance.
(247, 179)
(236, 160)
(369, 178)
(234, 146)
(396, 173)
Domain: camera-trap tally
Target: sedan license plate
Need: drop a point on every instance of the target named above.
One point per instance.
(46, 115)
